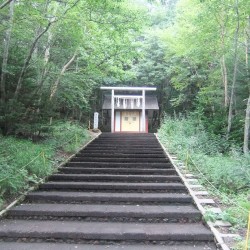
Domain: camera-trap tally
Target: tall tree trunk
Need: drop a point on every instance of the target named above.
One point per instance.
(231, 101)
(47, 50)
(247, 128)
(27, 61)
(46, 60)
(6, 53)
(33, 47)
(225, 80)
(223, 60)
(45, 70)
(6, 3)
(56, 84)
(247, 117)
(41, 78)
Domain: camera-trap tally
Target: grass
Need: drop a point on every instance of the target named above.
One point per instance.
(24, 163)
(221, 166)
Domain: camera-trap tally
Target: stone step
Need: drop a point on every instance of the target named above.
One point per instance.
(114, 186)
(106, 211)
(120, 192)
(120, 155)
(119, 246)
(123, 141)
(137, 165)
(151, 144)
(132, 198)
(115, 147)
(126, 135)
(154, 161)
(110, 170)
(129, 144)
(123, 151)
(110, 177)
(104, 230)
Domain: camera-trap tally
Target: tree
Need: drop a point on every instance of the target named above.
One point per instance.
(6, 47)
(53, 49)
(6, 3)
(247, 117)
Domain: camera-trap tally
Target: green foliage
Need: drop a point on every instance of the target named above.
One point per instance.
(220, 165)
(229, 172)
(101, 35)
(186, 52)
(23, 162)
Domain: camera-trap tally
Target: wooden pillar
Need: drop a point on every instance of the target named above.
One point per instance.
(112, 111)
(143, 112)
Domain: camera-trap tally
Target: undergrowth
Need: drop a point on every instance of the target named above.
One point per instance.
(24, 163)
(223, 169)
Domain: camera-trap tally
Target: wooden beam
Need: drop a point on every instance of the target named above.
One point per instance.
(143, 112)
(129, 88)
(112, 111)
(128, 96)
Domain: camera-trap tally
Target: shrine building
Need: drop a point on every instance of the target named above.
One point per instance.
(130, 109)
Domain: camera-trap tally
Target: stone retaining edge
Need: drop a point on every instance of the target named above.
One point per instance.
(216, 233)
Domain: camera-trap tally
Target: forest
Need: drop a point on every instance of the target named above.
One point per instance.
(55, 55)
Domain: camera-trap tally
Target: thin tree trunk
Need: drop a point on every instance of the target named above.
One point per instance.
(6, 53)
(47, 50)
(27, 61)
(247, 128)
(223, 64)
(225, 80)
(6, 3)
(44, 71)
(41, 79)
(28, 58)
(56, 84)
(46, 60)
(247, 117)
(236, 38)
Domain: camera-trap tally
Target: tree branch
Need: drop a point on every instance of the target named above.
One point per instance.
(27, 61)
(55, 86)
(33, 46)
(5, 3)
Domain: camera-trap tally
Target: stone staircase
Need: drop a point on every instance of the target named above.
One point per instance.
(120, 192)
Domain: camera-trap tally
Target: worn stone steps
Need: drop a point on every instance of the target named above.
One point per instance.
(132, 198)
(113, 186)
(111, 246)
(120, 160)
(112, 177)
(121, 155)
(126, 135)
(104, 230)
(125, 141)
(120, 192)
(123, 151)
(128, 145)
(131, 165)
(123, 147)
(110, 211)
(105, 170)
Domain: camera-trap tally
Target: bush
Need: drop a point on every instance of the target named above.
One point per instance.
(221, 162)
(23, 162)
(215, 160)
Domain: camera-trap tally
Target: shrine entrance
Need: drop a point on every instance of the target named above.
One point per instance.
(130, 121)
(129, 108)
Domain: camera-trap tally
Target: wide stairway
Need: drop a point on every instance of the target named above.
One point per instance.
(120, 192)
